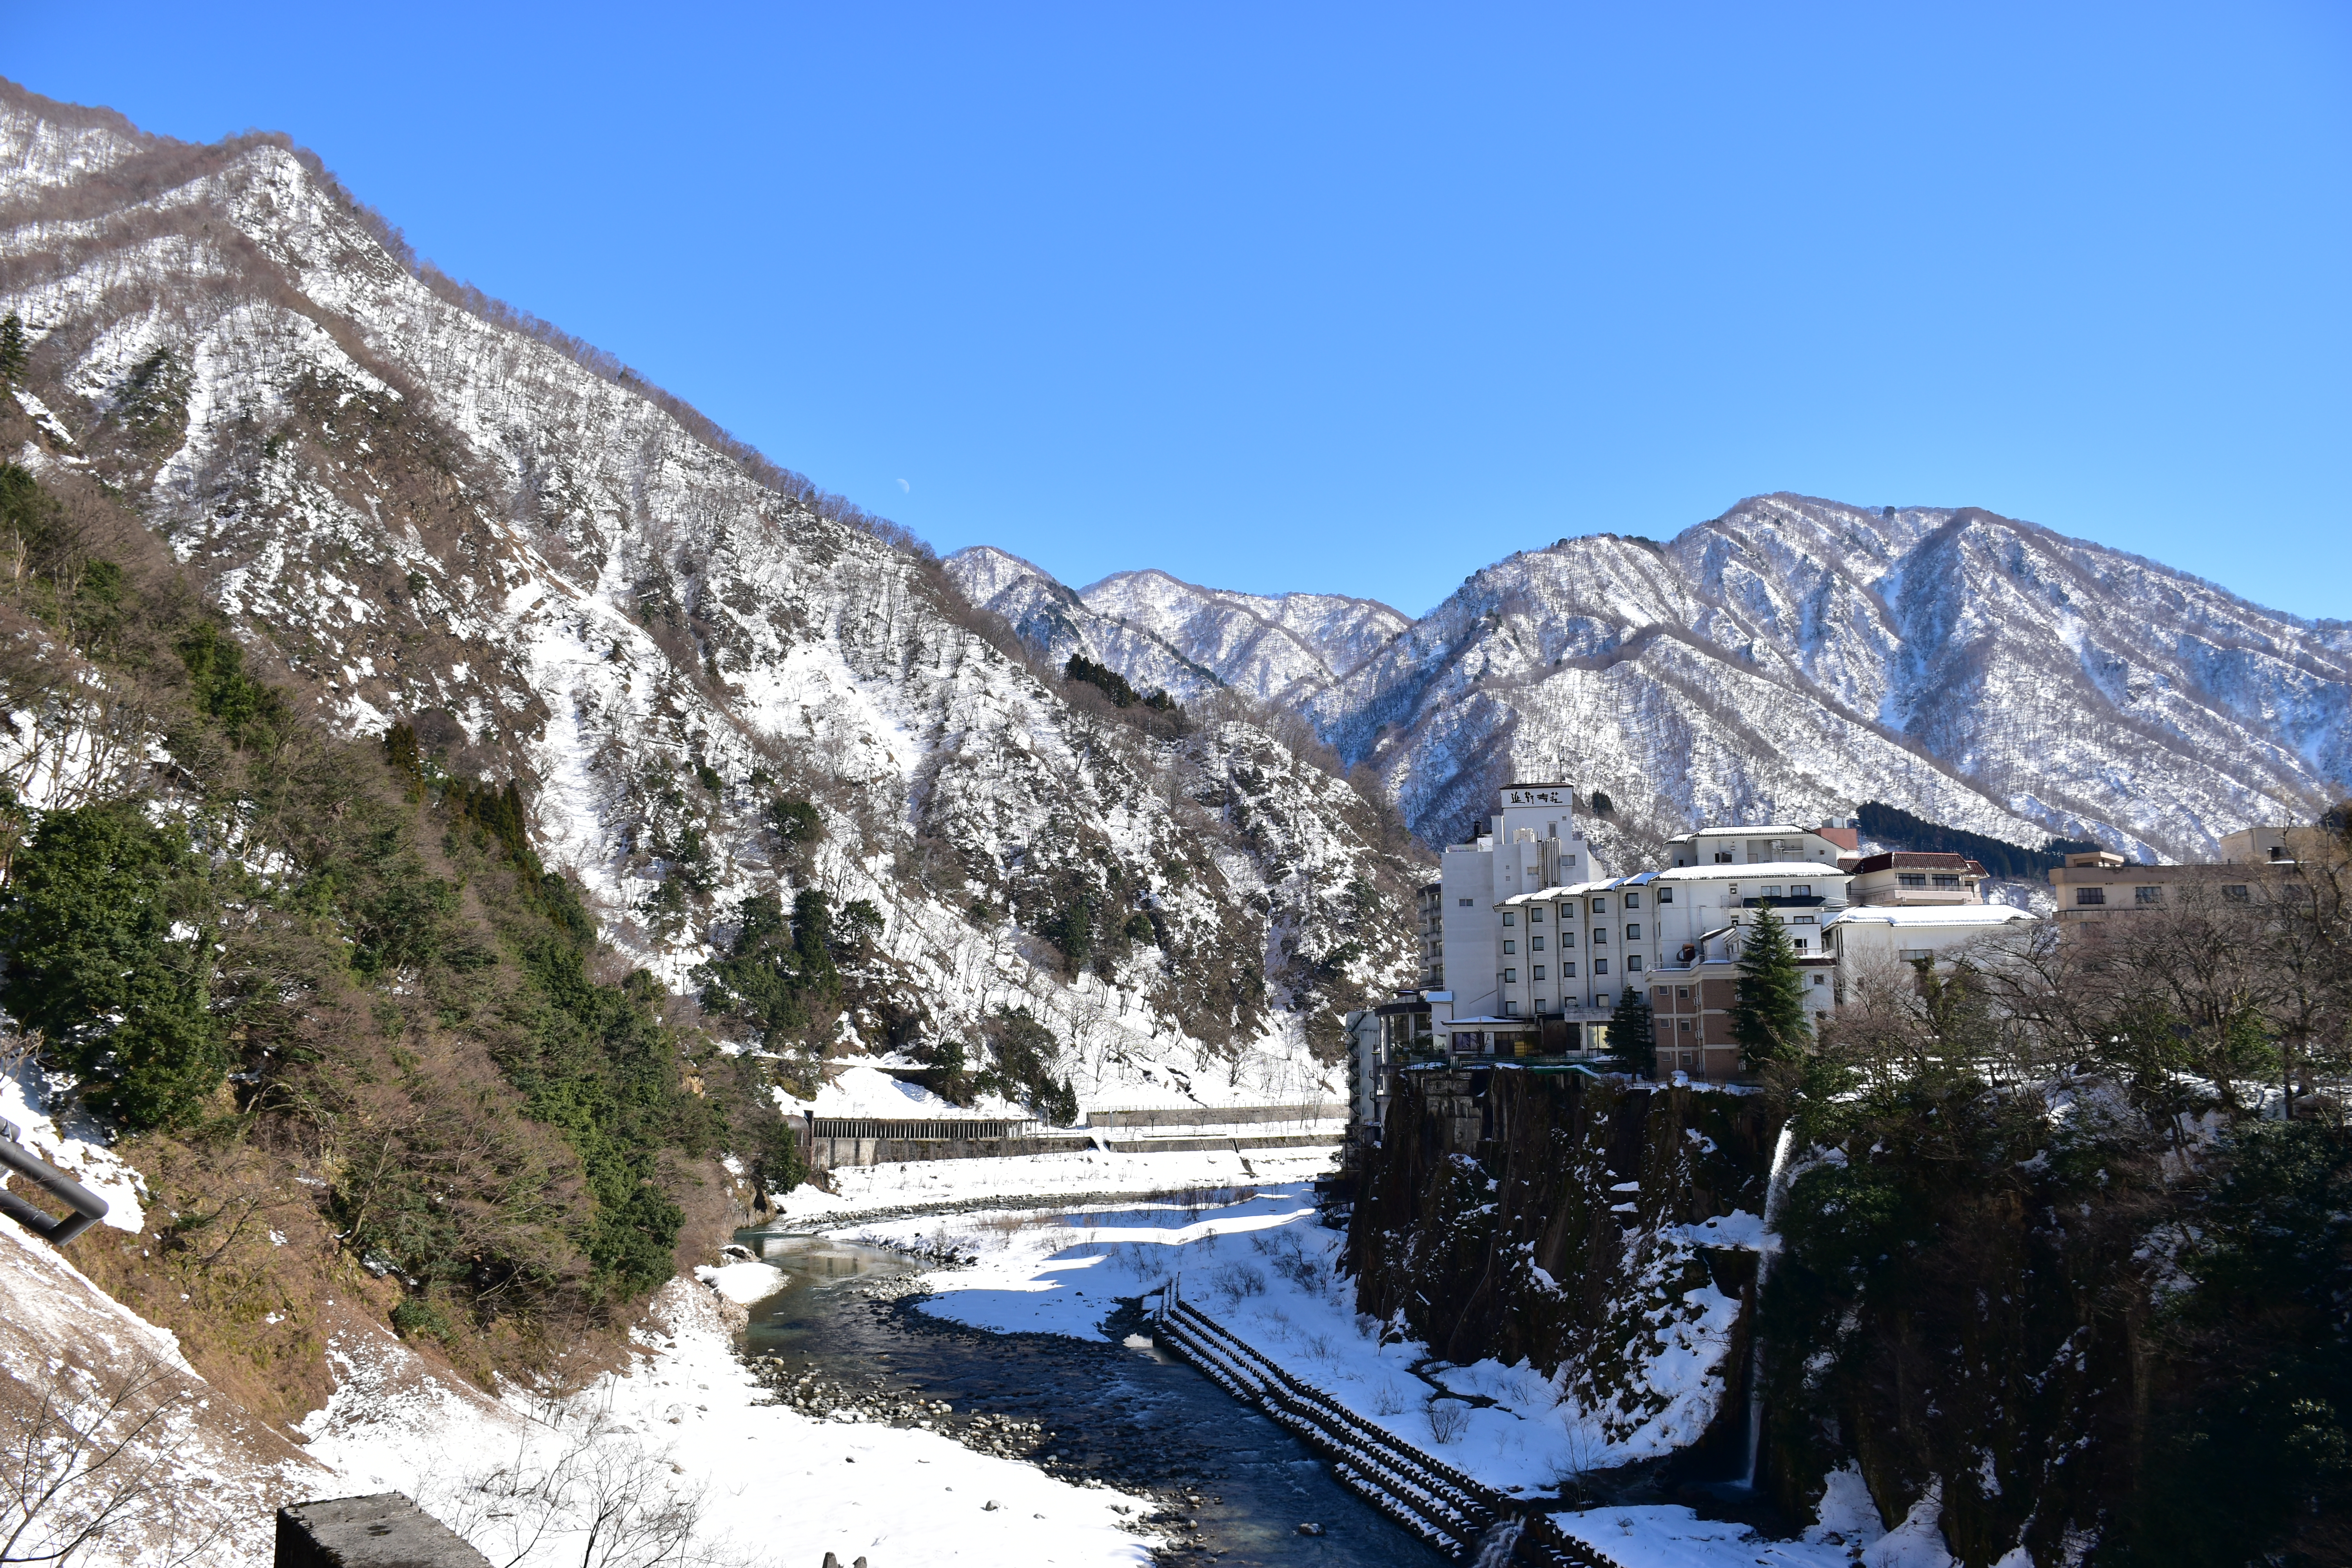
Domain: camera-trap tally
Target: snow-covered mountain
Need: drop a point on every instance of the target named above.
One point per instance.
(1275, 647)
(1163, 633)
(1795, 657)
(1057, 623)
(413, 506)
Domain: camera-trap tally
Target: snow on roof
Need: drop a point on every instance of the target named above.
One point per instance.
(1933, 915)
(1813, 869)
(1737, 832)
(1751, 873)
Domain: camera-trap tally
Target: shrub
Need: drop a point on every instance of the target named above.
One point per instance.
(103, 961)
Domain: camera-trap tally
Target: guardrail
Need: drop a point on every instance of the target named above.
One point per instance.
(1427, 1496)
(87, 1207)
(940, 1130)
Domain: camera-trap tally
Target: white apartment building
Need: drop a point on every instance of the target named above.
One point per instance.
(1581, 946)
(1532, 843)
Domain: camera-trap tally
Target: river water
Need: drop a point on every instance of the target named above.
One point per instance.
(1125, 1412)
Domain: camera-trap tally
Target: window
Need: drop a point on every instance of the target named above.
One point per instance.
(1509, 947)
(1723, 858)
(1535, 945)
(1632, 901)
(1682, 992)
(1666, 895)
(1600, 998)
(1600, 906)
(1568, 939)
(1802, 891)
(1910, 878)
(1567, 972)
(1466, 903)
(1799, 942)
(1510, 977)
(2147, 895)
(1510, 919)
(1820, 980)
(1913, 954)
(1538, 972)
(1535, 915)
(2235, 893)
(1510, 1009)
(1632, 963)
(1773, 891)
(2090, 895)
(1946, 880)
(1600, 935)
(1685, 1025)
(1632, 934)
(1599, 966)
(1541, 1003)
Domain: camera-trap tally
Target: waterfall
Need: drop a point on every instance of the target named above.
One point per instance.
(1495, 1548)
(1767, 1246)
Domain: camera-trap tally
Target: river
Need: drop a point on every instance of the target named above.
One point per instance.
(1123, 1413)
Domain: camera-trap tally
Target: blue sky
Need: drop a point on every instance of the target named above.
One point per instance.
(1358, 299)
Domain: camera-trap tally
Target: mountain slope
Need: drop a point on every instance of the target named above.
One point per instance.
(1795, 657)
(1057, 622)
(1272, 646)
(417, 511)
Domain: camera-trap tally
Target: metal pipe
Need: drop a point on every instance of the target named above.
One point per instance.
(87, 1207)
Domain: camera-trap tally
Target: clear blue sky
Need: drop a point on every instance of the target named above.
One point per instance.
(1354, 299)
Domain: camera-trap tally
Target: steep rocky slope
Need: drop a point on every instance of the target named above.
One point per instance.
(419, 508)
(1795, 657)
(1057, 622)
(1273, 647)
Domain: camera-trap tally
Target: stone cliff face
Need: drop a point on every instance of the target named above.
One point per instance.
(1979, 1325)
(1600, 1230)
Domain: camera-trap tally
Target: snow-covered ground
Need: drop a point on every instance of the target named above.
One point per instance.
(1255, 1259)
(767, 1483)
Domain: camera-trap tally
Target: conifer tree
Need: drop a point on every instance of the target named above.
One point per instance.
(1633, 1032)
(1768, 1018)
(14, 350)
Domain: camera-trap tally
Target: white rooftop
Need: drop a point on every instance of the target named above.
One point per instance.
(1933, 915)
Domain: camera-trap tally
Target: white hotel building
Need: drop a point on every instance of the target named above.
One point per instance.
(1536, 941)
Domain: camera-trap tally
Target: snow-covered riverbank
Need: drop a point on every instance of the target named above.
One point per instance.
(1255, 1258)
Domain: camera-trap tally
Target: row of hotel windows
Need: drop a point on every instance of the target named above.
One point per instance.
(1568, 939)
(1666, 896)
(2235, 893)
(1568, 971)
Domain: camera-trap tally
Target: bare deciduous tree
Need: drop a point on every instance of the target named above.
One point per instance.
(86, 1461)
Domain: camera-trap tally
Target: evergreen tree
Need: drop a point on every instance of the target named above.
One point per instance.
(14, 350)
(1769, 1019)
(1633, 1032)
(106, 962)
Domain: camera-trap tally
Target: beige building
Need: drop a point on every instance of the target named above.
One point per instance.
(1908, 877)
(2097, 888)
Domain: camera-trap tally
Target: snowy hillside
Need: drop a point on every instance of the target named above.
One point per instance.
(1794, 657)
(1274, 648)
(1057, 623)
(415, 512)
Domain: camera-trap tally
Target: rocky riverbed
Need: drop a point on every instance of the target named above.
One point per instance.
(847, 1340)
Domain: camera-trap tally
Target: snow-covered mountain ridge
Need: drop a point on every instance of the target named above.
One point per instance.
(1795, 657)
(412, 512)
